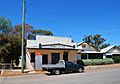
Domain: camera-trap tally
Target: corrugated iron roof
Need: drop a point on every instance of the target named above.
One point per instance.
(107, 49)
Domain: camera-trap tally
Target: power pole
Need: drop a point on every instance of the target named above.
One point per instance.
(23, 31)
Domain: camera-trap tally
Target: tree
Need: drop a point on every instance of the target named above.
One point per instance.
(10, 45)
(42, 32)
(30, 33)
(10, 50)
(96, 41)
(5, 26)
(39, 32)
(18, 30)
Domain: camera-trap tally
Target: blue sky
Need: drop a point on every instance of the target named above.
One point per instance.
(74, 18)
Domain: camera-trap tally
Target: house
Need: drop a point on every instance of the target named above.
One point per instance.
(48, 50)
(111, 51)
(86, 51)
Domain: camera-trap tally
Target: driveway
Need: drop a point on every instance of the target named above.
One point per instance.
(106, 76)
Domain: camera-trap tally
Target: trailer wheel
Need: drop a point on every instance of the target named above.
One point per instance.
(57, 72)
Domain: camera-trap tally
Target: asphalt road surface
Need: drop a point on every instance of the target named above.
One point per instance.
(109, 76)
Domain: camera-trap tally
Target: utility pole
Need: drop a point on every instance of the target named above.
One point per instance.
(23, 31)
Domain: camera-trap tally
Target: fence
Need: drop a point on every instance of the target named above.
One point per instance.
(5, 66)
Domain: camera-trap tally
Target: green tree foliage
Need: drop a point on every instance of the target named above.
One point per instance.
(10, 49)
(10, 45)
(5, 26)
(42, 32)
(96, 41)
(39, 32)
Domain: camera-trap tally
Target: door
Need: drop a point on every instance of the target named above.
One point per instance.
(44, 59)
(32, 58)
(65, 56)
(55, 57)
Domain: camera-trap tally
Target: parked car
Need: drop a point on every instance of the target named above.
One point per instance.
(63, 66)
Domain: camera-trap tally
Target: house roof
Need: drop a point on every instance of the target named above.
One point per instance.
(88, 52)
(107, 48)
(80, 47)
(80, 43)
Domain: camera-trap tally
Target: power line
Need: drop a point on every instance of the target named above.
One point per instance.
(28, 11)
(43, 22)
(38, 20)
(30, 4)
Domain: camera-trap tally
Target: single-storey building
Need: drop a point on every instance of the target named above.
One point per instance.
(86, 51)
(110, 51)
(51, 49)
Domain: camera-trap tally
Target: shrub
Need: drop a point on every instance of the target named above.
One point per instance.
(116, 59)
(98, 61)
(87, 62)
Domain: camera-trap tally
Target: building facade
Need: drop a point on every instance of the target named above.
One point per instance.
(51, 48)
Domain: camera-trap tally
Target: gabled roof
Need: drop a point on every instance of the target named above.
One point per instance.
(104, 50)
(95, 52)
(80, 43)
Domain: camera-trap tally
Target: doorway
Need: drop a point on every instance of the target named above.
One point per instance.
(65, 56)
(55, 57)
(44, 59)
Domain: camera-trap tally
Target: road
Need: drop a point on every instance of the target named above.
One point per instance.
(109, 76)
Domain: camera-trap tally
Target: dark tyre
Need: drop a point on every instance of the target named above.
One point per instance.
(57, 72)
(80, 70)
(51, 72)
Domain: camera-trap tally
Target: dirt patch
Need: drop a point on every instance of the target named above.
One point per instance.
(18, 72)
(101, 67)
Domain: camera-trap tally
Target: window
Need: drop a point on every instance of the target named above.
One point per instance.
(108, 56)
(83, 45)
(83, 56)
(95, 56)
